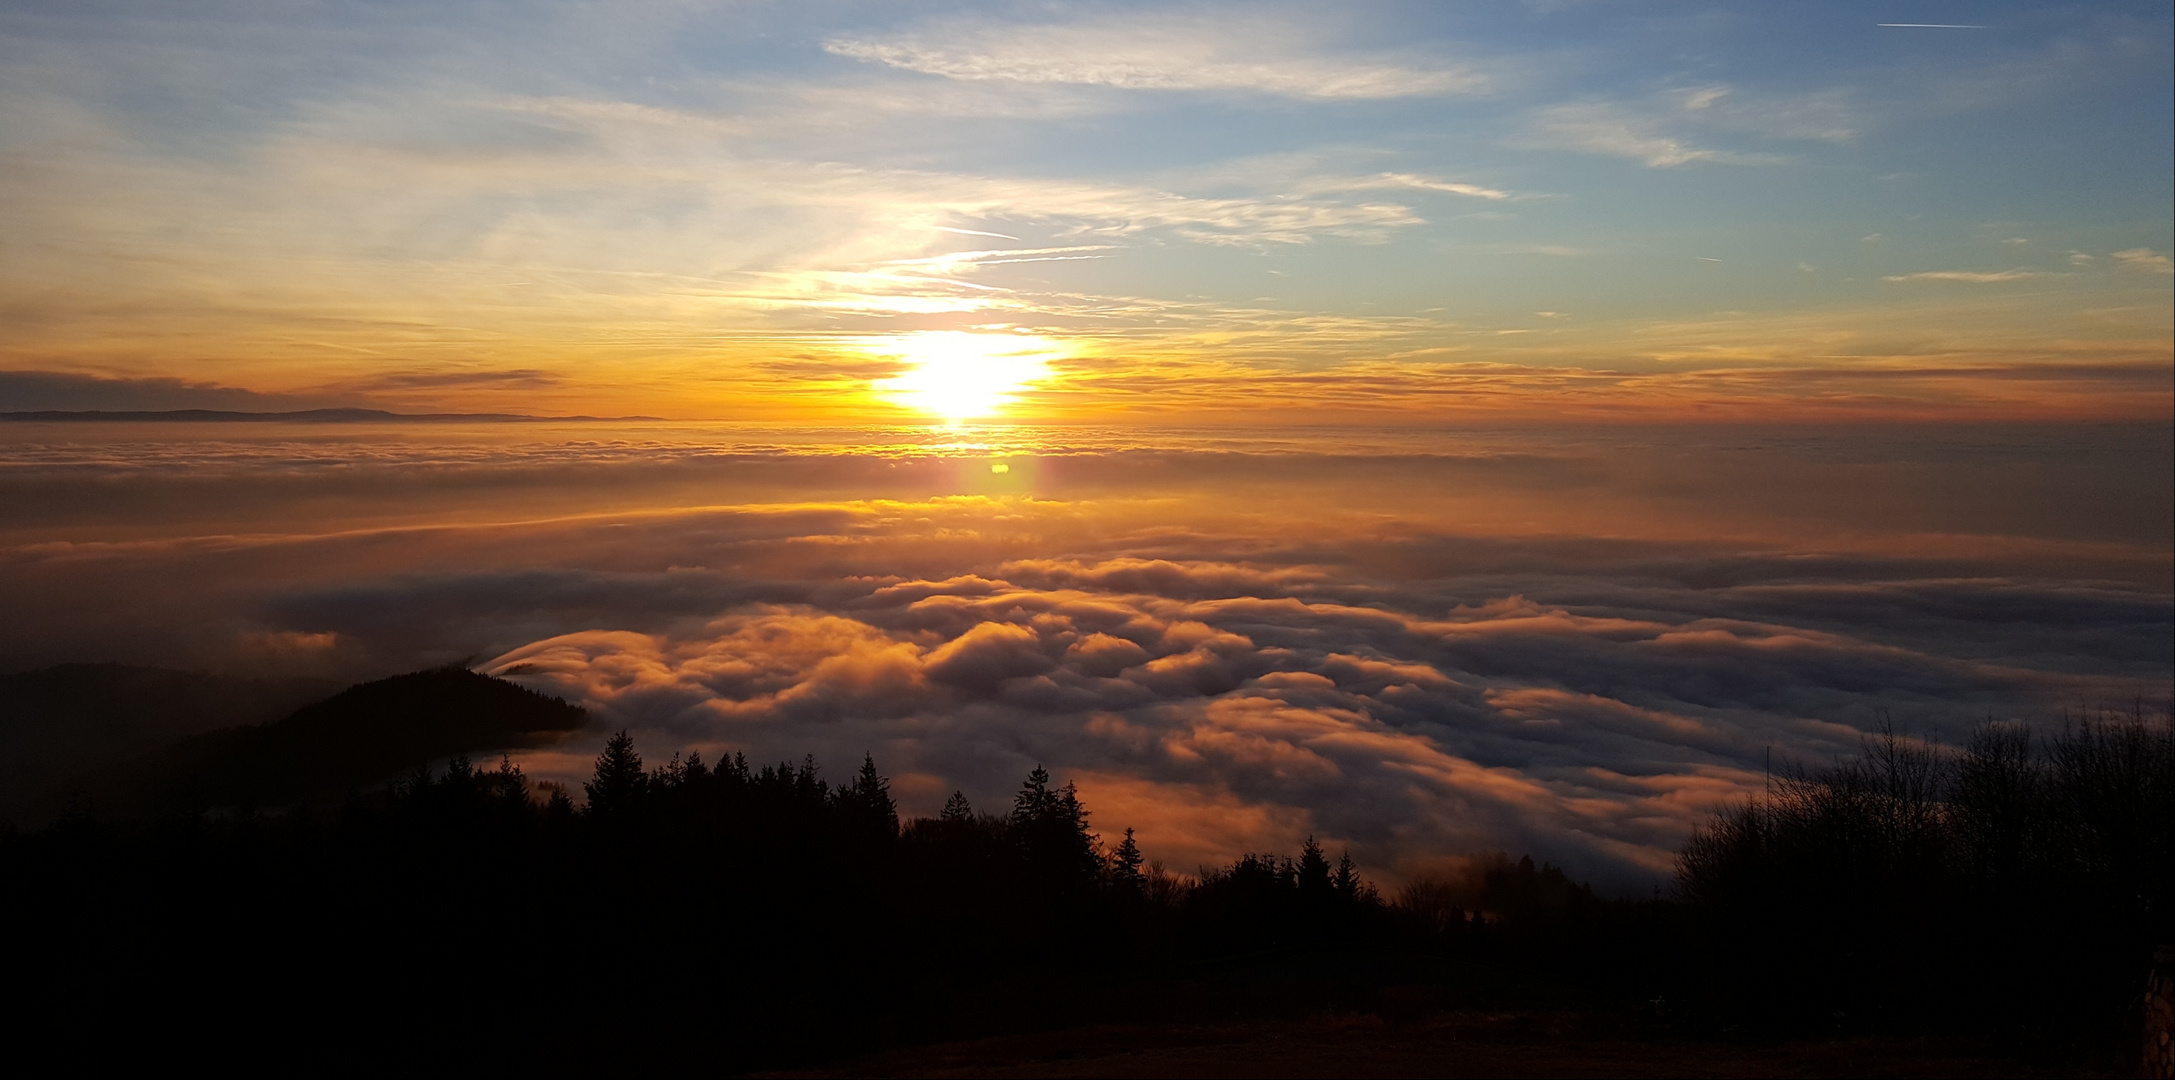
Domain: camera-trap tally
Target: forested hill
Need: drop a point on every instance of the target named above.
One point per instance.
(57, 723)
(302, 416)
(362, 736)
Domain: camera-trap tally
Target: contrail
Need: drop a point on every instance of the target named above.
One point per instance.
(975, 232)
(1932, 25)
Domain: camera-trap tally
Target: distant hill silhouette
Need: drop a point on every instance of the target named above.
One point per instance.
(303, 416)
(59, 722)
(364, 735)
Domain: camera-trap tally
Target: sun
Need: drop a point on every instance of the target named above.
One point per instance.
(964, 376)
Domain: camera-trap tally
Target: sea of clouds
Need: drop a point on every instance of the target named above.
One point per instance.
(1566, 646)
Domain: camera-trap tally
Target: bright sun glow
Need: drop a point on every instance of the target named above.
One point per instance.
(961, 376)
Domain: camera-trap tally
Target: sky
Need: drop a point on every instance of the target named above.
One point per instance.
(1432, 428)
(789, 213)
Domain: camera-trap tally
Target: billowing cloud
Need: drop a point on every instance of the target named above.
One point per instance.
(1599, 738)
(1568, 641)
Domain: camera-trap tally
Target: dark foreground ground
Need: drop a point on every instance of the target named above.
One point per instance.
(1456, 1044)
(316, 885)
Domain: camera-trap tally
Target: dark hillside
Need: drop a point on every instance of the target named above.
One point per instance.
(59, 722)
(364, 735)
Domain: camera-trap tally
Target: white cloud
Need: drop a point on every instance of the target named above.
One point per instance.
(1561, 251)
(1654, 130)
(1613, 129)
(1822, 117)
(1416, 182)
(1242, 53)
(1976, 277)
(2143, 260)
(1316, 174)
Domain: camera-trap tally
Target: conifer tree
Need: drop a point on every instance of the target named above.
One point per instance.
(669, 776)
(867, 801)
(1125, 864)
(1080, 844)
(807, 782)
(1314, 880)
(1035, 802)
(1052, 831)
(508, 785)
(558, 808)
(956, 809)
(619, 783)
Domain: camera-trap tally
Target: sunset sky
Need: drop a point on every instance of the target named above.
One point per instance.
(1430, 427)
(755, 211)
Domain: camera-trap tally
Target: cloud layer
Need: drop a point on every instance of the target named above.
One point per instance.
(1599, 739)
(1569, 641)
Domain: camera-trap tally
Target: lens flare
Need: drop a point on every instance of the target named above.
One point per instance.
(964, 376)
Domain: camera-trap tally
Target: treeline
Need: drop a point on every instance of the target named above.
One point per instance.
(777, 915)
(2019, 885)
(729, 915)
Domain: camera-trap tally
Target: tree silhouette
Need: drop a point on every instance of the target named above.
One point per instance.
(618, 785)
(558, 808)
(1125, 865)
(1035, 802)
(1346, 881)
(1314, 883)
(956, 809)
(866, 802)
(1052, 831)
(507, 786)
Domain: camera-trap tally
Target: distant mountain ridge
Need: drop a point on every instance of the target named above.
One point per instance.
(303, 416)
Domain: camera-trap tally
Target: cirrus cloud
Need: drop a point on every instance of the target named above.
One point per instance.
(1974, 277)
(1167, 52)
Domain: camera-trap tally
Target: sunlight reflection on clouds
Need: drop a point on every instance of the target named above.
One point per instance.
(1415, 643)
(1597, 739)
